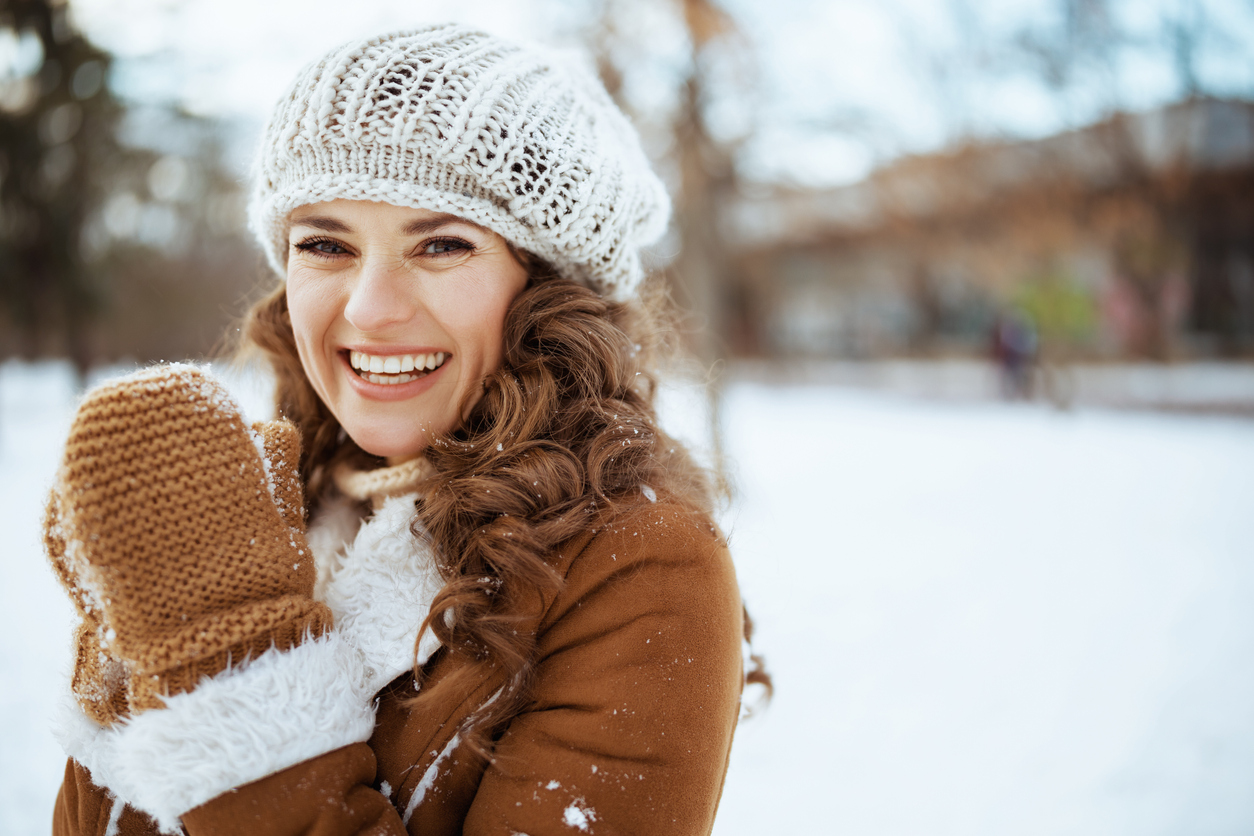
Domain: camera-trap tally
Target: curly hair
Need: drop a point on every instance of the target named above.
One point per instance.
(561, 440)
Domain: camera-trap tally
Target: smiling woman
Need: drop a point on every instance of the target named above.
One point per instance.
(468, 585)
(381, 285)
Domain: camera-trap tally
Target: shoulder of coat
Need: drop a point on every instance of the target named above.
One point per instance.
(639, 528)
(642, 555)
(661, 515)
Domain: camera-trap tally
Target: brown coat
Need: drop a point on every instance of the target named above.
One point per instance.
(637, 695)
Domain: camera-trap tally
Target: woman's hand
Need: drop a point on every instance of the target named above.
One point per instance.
(179, 534)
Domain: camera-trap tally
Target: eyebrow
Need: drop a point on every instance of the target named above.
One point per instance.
(419, 227)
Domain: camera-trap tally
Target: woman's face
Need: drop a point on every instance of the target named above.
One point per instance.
(398, 315)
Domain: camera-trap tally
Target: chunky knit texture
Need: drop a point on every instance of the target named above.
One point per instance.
(179, 534)
(454, 120)
(382, 482)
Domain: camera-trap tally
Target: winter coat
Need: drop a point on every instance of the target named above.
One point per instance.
(636, 696)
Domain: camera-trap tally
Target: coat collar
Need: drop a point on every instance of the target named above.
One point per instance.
(379, 576)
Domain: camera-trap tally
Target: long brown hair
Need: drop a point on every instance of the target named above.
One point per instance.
(562, 438)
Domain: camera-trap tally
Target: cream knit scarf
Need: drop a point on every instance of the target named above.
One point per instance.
(382, 482)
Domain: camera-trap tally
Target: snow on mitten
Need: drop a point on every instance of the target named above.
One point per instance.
(101, 680)
(280, 452)
(178, 536)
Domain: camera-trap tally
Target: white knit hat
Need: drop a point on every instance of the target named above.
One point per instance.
(454, 120)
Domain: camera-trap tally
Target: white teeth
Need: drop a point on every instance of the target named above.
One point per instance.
(374, 367)
(390, 380)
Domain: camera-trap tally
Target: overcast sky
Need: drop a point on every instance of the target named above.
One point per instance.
(838, 85)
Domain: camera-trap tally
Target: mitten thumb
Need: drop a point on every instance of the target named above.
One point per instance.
(279, 445)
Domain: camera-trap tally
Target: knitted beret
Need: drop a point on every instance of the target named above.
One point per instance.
(454, 120)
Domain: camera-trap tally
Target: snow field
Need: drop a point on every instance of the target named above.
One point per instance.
(986, 619)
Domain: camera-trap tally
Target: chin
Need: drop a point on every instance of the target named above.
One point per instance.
(389, 445)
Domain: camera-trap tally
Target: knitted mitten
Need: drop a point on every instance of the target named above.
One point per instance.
(179, 534)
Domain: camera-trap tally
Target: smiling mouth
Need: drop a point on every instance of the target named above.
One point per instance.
(394, 369)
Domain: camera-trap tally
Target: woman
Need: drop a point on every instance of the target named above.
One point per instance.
(518, 617)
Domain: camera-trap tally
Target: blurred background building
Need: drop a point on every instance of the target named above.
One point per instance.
(1128, 238)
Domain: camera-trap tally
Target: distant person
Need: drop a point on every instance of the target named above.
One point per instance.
(1014, 351)
(510, 611)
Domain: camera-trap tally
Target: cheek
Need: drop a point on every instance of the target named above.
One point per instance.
(311, 311)
(507, 283)
(475, 318)
(488, 327)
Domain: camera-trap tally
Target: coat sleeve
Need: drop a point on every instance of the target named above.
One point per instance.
(328, 794)
(637, 690)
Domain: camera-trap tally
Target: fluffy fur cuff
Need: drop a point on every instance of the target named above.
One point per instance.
(380, 586)
(243, 724)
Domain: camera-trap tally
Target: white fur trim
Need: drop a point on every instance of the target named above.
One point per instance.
(245, 723)
(381, 589)
(433, 771)
(115, 816)
(329, 533)
(428, 778)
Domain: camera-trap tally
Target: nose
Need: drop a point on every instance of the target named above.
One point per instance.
(383, 295)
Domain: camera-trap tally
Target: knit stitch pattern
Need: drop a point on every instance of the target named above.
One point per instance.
(382, 482)
(454, 120)
(181, 545)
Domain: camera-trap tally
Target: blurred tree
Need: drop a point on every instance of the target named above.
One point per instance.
(708, 71)
(703, 272)
(706, 66)
(56, 128)
(1163, 230)
(121, 226)
(171, 240)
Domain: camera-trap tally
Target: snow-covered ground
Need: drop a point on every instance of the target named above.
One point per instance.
(981, 619)
(1213, 387)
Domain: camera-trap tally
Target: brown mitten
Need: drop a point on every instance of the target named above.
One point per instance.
(181, 545)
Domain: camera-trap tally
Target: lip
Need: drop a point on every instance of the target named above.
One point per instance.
(391, 350)
(390, 392)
